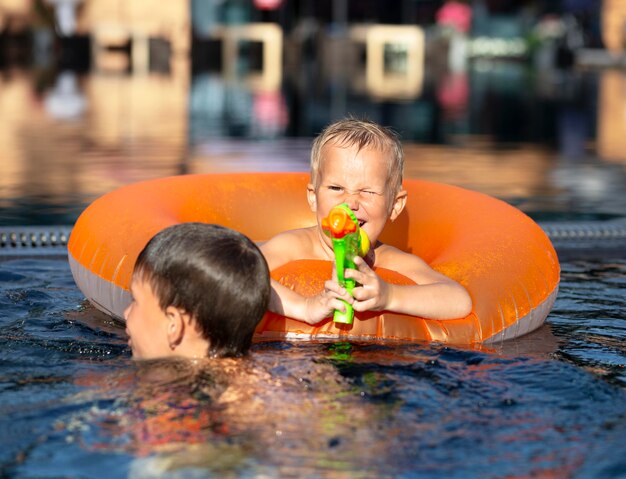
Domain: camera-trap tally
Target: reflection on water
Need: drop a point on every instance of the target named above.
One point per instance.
(72, 139)
(219, 109)
(590, 316)
(73, 401)
(612, 121)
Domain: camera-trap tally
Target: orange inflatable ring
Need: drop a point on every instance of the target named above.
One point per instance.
(500, 255)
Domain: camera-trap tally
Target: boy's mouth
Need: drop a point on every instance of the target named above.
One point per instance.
(361, 223)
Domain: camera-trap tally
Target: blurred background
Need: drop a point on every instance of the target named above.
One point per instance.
(524, 100)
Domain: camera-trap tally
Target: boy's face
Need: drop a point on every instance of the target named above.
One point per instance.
(146, 323)
(358, 178)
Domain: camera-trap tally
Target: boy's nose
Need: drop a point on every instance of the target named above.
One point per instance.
(352, 200)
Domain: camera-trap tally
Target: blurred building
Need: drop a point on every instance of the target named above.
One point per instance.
(15, 15)
(152, 32)
(614, 24)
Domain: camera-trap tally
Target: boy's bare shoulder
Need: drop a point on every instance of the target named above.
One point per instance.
(408, 264)
(289, 246)
(295, 238)
(387, 256)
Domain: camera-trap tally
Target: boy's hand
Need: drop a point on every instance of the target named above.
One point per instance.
(374, 293)
(324, 304)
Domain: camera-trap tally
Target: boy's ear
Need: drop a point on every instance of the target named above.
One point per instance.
(311, 197)
(175, 326)
(398, 204)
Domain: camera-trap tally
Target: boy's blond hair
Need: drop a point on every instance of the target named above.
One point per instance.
(362, 134)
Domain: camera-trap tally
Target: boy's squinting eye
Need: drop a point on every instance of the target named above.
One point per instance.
(341, 189)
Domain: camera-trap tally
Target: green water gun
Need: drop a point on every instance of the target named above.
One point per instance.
(348, 241)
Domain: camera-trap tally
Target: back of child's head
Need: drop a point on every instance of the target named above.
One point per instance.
(364, 134)
(216, 275)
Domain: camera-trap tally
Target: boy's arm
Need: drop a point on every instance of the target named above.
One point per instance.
(311, 310)
(435, 296)
(287, 247)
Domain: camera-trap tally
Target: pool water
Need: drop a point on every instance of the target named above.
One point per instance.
(547, 405)
(551, 404)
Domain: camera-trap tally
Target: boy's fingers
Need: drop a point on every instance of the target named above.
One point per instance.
(357, 293)
(339, 305)
(361, 294)
(364, 305)
(334, 296)
(356, 275)
(362, 265)
(334, 287)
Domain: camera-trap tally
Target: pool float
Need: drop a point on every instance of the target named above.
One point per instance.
(503, 258)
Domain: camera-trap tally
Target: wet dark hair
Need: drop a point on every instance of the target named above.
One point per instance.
(215, 274)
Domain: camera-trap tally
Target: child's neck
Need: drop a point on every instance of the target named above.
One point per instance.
(323, 251)
(194, 347)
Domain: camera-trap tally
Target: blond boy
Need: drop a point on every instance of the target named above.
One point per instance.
(360, 163)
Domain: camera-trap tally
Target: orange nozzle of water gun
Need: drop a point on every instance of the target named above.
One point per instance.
(338, 223)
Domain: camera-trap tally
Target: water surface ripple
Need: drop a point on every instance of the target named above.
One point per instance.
(551, 404)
